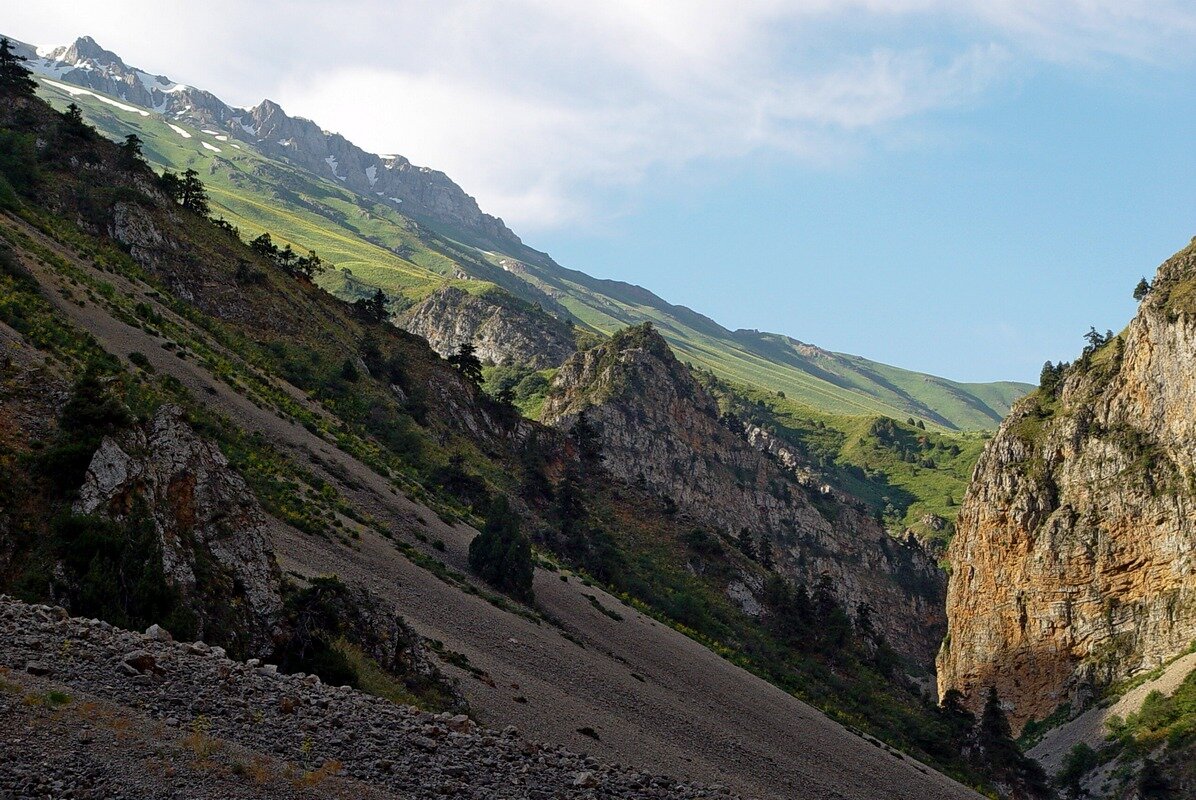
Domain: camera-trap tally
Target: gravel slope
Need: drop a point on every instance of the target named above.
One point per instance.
(692, 714)
(1089, 727)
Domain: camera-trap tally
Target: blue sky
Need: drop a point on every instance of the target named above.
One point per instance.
(955, 186)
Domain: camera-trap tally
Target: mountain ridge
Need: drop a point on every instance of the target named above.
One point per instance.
(482, 247)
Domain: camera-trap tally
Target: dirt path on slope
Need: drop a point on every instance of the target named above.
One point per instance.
(653, 697)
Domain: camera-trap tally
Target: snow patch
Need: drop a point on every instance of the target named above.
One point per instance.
(179, 130)
(237, 146)
(372, 173)
(75, 91)
(333, 164)
(210, 132)
(220, 137)
(211, 147)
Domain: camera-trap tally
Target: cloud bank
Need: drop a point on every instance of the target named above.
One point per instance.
(546, 109)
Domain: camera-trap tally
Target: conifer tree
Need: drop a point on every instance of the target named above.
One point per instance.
(466, 362)
(501, 555)
(15, 77)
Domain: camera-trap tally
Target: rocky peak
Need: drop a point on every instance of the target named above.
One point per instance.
(659, 428)
(504, 329)
(212, 532)
(1074, 561)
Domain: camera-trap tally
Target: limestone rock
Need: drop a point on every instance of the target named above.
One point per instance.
(207, 521)
(659, 428)
(504, 329)
(1074, 564)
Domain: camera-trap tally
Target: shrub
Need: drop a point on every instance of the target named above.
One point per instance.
(501, 555)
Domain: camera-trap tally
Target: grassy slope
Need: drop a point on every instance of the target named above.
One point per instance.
(384, 248)
(901, 471)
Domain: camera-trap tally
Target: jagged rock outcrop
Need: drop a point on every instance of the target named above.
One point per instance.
(212, 532)
(658, 427)
(1074, 564)
(504, 329)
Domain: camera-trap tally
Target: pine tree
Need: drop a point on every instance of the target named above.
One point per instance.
(73, 124)
(15, 77)
(765, 553)
(192, 194)
(501, 555)
(745, 543)
(130, 151)
(466, 362)
(1142, 289)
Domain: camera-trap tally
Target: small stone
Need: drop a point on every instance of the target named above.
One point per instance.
(172, 722)
(158, 633)
(140, 660)
(37, 668)
(585, 780)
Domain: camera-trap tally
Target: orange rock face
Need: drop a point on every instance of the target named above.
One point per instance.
(1074, 563)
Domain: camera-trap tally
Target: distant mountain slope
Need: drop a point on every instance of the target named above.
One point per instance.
(408, 229)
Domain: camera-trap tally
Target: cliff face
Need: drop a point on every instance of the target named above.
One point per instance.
(504, 329)
(212, 531)
(660, 428)
(1074, 564)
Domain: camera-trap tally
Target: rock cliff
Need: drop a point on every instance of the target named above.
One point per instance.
(1074, 565)
(659, 428)
(504, 329)
(212, 532)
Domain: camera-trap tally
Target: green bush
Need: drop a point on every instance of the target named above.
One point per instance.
(113, 571)
(501, 555)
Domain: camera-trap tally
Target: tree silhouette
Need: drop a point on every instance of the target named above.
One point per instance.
(466, 362)
(15, 77)
(1142, 289)
(501, 555)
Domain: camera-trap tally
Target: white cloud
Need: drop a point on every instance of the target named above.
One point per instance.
(536, 106)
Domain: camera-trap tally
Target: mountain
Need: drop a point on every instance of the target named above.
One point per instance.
(660, 429)
(407, 229)
(1075, 557)
(197, 440)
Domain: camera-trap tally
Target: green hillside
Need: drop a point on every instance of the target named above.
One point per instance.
(373, 245)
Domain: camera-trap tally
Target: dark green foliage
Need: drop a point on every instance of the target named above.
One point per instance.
(19, 172)
(286, 259)
(466, 362)
(130, 152)
(745, 543)
(1051, 376)
(316, 623)
(113, 571)
(15, 77)
(1142, 289)
(91, 413)
(501, 555)
(187, 190)
(589, 443)
(704, 544)
(74, 127)
(374, 308)
(1078, 763)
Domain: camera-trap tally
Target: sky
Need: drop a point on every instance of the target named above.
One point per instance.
(960, 187)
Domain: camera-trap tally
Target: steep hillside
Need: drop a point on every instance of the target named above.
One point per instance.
(658, 428)
(406, 228)
(1075, 557)
(367, 455)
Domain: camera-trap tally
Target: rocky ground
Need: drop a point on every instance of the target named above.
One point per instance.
(92, 711)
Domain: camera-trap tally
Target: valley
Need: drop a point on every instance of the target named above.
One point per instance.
(406, 506)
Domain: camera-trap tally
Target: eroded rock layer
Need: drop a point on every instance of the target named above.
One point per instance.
(1074, 565)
